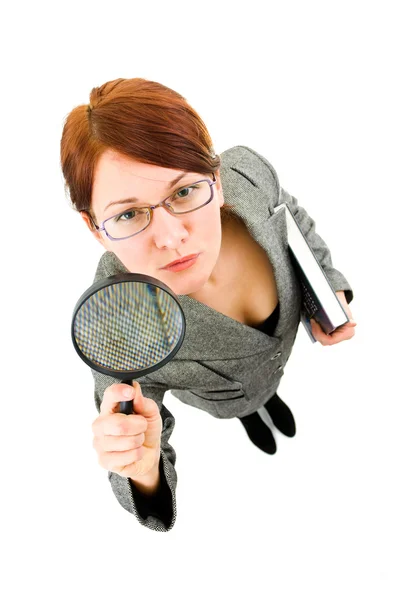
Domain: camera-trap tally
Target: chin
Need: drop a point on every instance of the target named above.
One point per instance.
(186, 288)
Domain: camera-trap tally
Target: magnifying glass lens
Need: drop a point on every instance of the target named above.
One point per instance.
(127, 327)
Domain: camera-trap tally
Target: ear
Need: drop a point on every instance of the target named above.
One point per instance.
(88, 220)
(219, 191)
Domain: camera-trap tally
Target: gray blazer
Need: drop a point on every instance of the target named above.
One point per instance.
(225, 367)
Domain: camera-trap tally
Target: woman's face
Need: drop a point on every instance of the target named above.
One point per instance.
(168, 237)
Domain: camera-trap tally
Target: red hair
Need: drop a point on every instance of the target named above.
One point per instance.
(137, 118)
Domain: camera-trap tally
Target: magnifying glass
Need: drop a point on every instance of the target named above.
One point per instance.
(127, 326)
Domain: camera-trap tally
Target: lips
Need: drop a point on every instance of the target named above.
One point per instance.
(180, 261)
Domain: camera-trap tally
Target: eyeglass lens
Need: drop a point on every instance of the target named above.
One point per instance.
(133, 220)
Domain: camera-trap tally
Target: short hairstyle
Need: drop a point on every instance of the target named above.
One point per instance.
(139, 119)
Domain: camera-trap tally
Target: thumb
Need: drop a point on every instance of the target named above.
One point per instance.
(142, 405)
(351, 323)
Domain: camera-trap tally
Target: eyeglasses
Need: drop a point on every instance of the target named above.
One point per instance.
(133, 220)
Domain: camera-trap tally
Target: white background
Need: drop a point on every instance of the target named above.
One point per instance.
(313, 87)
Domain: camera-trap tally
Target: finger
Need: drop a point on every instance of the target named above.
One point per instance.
(321, 336)
(336, 337)
(114, 443)
(342, 336)
(349, 325)
(145, 406)
(345, 328)
(114, 394)
(317, 330)
(119, 424)
(118, 460)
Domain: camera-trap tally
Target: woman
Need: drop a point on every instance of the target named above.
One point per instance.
(138, 144)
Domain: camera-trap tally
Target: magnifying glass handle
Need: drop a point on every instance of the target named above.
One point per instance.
(126, 407)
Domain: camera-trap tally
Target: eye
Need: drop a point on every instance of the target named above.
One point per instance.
(126, 216)
(185, 192)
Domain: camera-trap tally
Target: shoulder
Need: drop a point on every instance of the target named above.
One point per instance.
(244, 161)
(108, 265)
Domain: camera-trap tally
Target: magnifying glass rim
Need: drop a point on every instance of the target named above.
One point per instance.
(125, 278)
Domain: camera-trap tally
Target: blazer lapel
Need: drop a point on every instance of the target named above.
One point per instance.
(210, 335)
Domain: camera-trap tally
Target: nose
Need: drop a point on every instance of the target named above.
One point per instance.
(168, 230)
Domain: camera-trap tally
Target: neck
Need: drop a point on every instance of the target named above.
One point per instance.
(226, 272)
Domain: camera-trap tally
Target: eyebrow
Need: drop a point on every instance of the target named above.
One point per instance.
(133, 200)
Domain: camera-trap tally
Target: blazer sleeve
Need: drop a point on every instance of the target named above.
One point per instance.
(156, 512)
(307, 225)
(320, 249)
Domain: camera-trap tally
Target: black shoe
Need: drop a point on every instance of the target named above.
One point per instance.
(281, 416)
(259, 433)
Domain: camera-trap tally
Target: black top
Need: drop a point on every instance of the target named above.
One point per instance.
(268, 326)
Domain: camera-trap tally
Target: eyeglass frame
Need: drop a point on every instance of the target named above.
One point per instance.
(150, 210)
